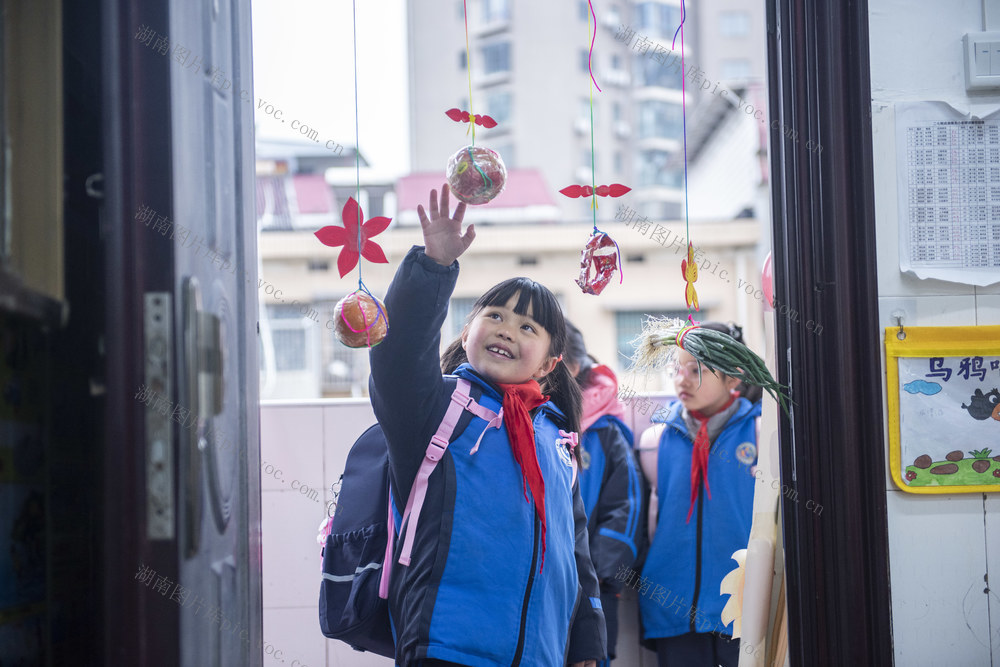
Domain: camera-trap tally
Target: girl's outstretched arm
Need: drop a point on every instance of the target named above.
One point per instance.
(407, 390)
(444, 241)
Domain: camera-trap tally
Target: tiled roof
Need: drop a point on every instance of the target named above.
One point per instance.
(525, 187)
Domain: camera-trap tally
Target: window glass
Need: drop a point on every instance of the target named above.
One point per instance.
(653, 73)
(498, 106)
(735, 70)
(734, 24)
(660, 120)
(660, 167)
(628, 326)
(496, 58)
(289, 349)
(496, 10)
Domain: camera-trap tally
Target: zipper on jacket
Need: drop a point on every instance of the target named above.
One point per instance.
(697, 561)
(527, 595)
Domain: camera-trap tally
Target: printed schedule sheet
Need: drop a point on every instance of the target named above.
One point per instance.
(948, 180)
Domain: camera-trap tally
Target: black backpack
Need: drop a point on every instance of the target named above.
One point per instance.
(361, 535)
(350, 608)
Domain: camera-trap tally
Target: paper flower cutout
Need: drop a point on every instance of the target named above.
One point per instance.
(689, 269)
(614, 190)
(353, 235)
(732, 585)
(460, 116)
(600, 255)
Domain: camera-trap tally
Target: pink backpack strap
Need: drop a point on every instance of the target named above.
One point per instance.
(390, 543)
(460, 401)
(493, 420)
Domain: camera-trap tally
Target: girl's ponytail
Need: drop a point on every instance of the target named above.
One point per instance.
(453, 357)
(565, 393)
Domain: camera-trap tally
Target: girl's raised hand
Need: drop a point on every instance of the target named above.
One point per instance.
(444, 241)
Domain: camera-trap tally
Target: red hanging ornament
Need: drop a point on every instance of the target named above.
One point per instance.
(460, 116)
(613, 190)
(598, 263)
(476, 175)
(360, 320)
(353, 235)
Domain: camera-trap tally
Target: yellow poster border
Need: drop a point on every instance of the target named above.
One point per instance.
(930, 342)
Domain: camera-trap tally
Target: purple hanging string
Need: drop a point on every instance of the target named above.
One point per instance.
(680, 29)
(590, 58)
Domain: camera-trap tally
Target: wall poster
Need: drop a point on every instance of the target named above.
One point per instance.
(944, 408)
(949, 193)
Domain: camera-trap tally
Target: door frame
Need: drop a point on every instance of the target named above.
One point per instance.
(832, 448)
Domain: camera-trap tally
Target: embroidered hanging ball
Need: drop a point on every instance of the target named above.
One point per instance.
(476, 175)
(360, 320)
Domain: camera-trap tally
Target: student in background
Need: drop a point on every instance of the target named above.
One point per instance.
(610, 481)
(699, 462)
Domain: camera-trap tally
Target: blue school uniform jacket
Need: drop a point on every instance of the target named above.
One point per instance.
(687, 560)
(612, 491)
(476, 591)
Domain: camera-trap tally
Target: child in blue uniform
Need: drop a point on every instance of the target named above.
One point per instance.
(699, 461)
(500, 570)
(610, 481)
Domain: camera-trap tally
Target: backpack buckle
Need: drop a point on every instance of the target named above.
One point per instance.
(436, 448)
(462, 398)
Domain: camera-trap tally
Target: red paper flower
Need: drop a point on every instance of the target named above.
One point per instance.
(460, 116)
(613, 190)
(355, 234)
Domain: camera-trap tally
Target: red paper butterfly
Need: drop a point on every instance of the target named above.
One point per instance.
(614, 190)
(460, 116)
(355, 234)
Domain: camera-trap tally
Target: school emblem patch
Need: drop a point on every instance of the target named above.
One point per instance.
(563, 450)
(746, 453)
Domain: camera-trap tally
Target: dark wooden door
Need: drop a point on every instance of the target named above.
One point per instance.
(182, 510)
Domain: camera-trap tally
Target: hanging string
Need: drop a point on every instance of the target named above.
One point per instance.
(357, 142)
(468, 69)
(592, 29)
(593, 153)
(590, 58)
(680, 29)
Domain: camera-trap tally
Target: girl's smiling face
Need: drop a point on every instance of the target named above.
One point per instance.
(508, 348)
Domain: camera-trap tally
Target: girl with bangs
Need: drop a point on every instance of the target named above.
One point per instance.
(500, 570)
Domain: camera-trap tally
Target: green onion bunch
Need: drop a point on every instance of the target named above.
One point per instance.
(657, 345)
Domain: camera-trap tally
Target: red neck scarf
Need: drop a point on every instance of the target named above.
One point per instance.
(699, 456)
(518, 400)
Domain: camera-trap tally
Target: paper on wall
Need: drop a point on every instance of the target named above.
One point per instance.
(948, 184)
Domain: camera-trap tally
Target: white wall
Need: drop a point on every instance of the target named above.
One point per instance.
(941, 548)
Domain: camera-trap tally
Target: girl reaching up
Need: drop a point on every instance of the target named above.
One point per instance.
(498, 571)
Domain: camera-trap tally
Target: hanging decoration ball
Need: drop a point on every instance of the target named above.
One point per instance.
(476, 175)
(360, 320)
(598, 263)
